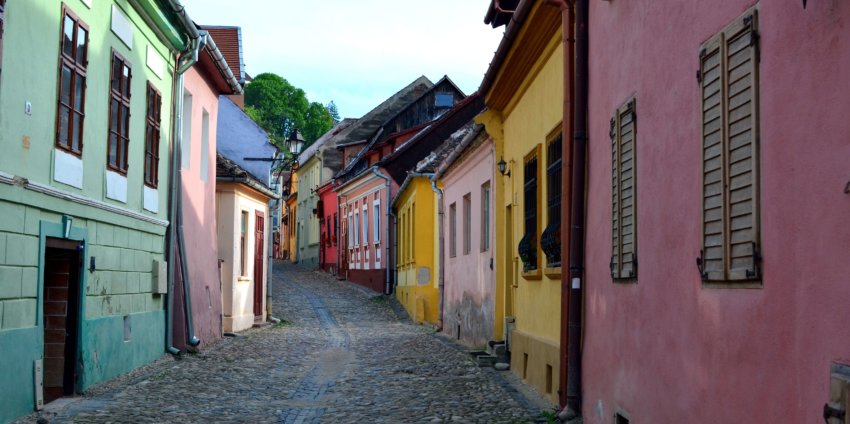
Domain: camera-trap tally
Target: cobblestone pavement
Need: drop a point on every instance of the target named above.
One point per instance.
(340, 355)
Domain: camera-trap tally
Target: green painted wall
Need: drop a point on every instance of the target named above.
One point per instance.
(20, 350)
(309, 179)
(31, 43)
(124, 247)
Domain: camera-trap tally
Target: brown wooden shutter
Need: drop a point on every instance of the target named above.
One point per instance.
(713, 265)
(628, 211)
(615, 196)
(729, 83)
(741, 54)
(623, 240)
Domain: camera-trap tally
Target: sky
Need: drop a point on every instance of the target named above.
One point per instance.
(358, 53)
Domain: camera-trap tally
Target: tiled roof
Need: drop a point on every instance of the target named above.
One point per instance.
(229, 41)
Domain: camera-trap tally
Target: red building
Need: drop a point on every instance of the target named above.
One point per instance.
(328, 210)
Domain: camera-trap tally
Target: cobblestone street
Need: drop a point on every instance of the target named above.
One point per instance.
(341, 354)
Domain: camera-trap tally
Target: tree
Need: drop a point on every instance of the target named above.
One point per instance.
(334, 112)
(316, 122)
(279, 107)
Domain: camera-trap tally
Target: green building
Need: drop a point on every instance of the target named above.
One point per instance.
(86, 110)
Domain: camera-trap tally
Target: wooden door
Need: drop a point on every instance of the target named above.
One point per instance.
(259, 244)
(61, 317)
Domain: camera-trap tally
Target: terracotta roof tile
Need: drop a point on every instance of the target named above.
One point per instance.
(229, 41)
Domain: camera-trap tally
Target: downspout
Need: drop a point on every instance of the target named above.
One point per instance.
(387, 288)
(577, 205)
(567, 24)
(442, 251)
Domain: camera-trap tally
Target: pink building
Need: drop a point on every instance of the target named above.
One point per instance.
(725, 126)
(470, 286)
(202, 85)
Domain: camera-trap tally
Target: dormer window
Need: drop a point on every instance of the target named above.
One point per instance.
(444, 99)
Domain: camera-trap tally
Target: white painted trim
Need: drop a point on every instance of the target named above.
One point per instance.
(150, 199)
(67, 168)
(82, 200)
(116, 186)
(122, 27)
(155, 62)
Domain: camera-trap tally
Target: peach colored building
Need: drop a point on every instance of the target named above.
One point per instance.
(202, 85)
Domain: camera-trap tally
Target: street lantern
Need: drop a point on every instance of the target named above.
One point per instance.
(295, 141)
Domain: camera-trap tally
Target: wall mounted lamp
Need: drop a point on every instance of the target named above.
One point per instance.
(503, 168)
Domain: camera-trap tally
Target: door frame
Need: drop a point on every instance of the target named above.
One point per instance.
(259, 229)
(64, 230)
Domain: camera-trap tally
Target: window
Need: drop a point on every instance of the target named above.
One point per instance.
(73, 60)
(152, 136)
(186, 132)
(119, 115)
(730, 137)
(357, 229)
(528, 244)
(485, 216)
(348, 233)
(243, 248)
(623, 205)
(453, 230)
(376, 215)
(550, 240)
(365, 225)
(205, 146)
(467, 223)
(336, 229)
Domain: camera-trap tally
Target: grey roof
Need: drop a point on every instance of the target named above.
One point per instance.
(366, 126)
(431, 162)
(326, 141)
(228, 170)
(239, 137)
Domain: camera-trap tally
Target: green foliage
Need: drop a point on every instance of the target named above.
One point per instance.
(279, 107)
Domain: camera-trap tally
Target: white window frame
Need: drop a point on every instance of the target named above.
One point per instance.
(365, 216)
(357, 228)
(376, 226)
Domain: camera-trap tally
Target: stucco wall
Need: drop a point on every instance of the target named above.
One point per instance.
(470, 285)
(309, 175)
(329, 249)
(122, 237)
(668, 349)
(198, 191)
(418, 268)
(238, 288)
(371, 256)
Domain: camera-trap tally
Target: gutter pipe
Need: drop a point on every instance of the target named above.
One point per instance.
(387, 287)
(441, 304)
(577, 213)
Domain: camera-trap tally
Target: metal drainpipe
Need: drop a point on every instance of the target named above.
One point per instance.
(441, 257)
(577, 203)
(387, 288)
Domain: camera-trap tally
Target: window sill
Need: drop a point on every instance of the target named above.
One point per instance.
(243, 279)
(532, 275)
(732, 285)
(552, 272)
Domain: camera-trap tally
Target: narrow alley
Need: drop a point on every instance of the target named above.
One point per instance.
(340, 354)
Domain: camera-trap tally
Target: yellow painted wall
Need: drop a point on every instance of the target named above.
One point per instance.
(418, 254)
(527, 123)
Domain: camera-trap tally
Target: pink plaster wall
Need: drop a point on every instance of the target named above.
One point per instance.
(366, 188)
(666, 349)
(469, 281)
(199, 215)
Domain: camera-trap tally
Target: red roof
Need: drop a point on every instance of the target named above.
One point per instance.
(229, 42)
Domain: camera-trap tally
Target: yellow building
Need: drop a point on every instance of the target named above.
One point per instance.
(416, 214)
(290, 219)
(523, 92)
